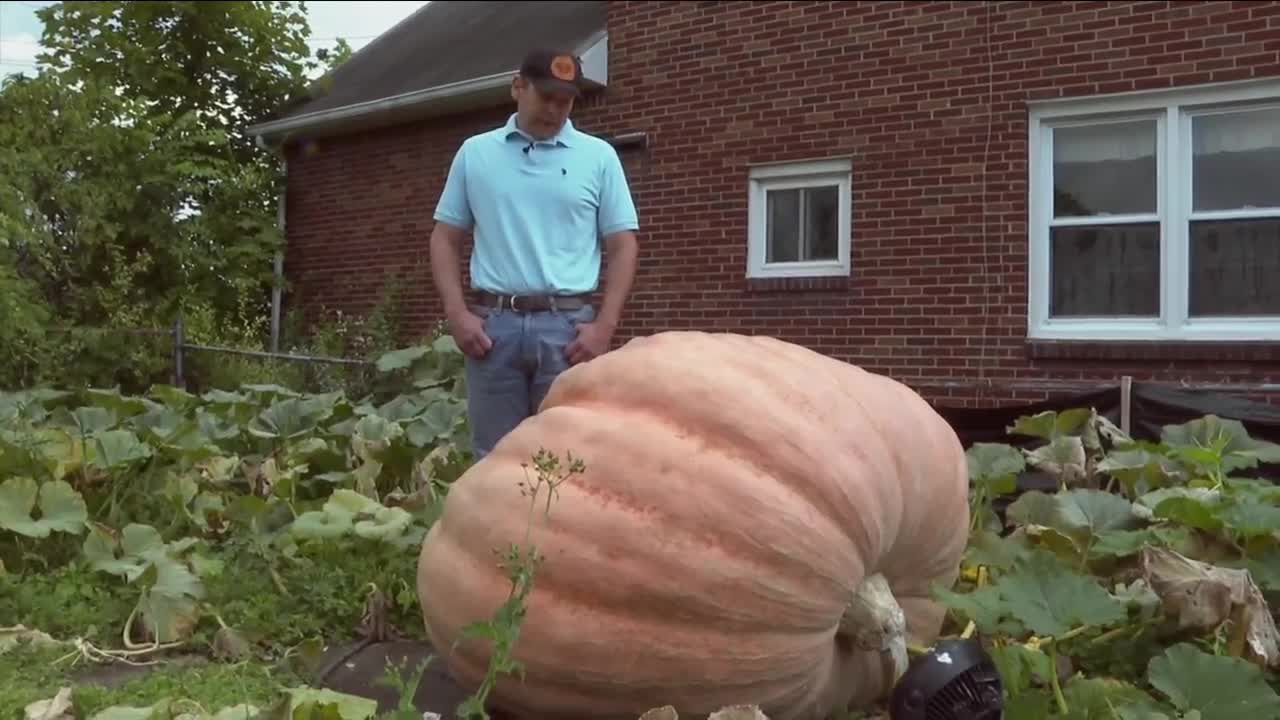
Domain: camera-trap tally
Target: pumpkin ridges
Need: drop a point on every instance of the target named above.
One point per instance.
(932, 554)
(499, 490)
(857, 453)
(779, 682)
(549, 614)
(666, 540)
(788, 452)
(609, 430)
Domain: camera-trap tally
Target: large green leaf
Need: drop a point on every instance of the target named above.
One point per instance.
(1080, 514)
(126, 555)
(386, 524)
(439, 422)
(292, 417)
(402, 358)
(62, 509)
(321, 525)
(92, 419)
(115, 449)
(1049, 598)
(995, 466)
(1050, 424)
(17, 501)
(1217, 687)
(1223, 439)
(308, 704)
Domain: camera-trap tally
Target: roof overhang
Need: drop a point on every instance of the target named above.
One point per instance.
(480, 93)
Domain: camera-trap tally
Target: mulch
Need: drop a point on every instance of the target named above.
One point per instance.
(359, 674)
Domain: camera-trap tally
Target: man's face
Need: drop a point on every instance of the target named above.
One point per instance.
(541, 113)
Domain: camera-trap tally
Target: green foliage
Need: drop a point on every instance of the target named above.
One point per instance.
(1139, 588)
(227, 64)
(241, 524)
(129, 189)
(151, 490)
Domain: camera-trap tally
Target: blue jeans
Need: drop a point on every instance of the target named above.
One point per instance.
(508, 384)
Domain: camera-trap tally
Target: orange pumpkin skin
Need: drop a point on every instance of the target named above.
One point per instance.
(737, 491)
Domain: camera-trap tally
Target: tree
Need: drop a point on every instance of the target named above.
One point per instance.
(129, 190)
(229, 64)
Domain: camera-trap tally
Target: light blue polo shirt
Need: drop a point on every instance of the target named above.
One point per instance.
(537, 210)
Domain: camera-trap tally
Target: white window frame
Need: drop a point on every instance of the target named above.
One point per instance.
(791, 175)
(1172, 110)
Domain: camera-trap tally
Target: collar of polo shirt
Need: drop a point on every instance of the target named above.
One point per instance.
(564, 138)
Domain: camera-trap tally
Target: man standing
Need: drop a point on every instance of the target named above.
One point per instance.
(540, 199)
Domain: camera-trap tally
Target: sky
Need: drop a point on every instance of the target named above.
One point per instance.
(20, 29)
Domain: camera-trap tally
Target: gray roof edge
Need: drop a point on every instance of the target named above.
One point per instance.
(374, 107)
(416, 98)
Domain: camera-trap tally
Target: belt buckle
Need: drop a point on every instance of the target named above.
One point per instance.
(511, 303)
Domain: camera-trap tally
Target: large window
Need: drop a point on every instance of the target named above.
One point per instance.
(799, 219)
(1157, 216)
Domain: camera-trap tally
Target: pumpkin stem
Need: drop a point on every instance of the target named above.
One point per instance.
(873, 620)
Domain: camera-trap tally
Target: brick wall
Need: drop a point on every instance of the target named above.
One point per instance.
(929, 98)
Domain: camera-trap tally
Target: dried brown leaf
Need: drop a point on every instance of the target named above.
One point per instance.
(1203, 596)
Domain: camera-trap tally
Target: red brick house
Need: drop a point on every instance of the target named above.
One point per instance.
(954, 193)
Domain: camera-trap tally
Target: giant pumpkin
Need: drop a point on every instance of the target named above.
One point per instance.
(746, 509)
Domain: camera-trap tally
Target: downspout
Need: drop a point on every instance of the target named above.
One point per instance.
(277, 283)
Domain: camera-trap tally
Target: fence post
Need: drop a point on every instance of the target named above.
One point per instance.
(1126, 403)
(178, 341)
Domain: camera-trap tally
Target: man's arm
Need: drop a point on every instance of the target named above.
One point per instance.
(454, 220)
(617, 225)
(446, 267)
(622, 251)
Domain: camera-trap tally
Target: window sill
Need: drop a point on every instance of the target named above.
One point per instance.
(1155, 350)
(797, 284)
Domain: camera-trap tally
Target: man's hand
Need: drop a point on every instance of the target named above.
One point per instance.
(467, 329)
(592, 341)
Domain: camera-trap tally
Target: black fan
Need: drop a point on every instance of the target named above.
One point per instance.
(955, 680)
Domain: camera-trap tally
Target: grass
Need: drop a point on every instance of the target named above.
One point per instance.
(29, 678)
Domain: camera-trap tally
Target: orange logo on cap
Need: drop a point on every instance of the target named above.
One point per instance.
(564, 68)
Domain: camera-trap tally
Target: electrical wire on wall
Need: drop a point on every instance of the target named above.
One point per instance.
(986, 290)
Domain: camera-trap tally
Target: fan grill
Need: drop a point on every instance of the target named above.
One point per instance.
(972, 695)
(957, 680)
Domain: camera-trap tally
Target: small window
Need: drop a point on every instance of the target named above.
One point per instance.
(799, 223)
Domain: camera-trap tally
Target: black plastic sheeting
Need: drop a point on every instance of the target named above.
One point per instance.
(1152, 406)
(991, 425)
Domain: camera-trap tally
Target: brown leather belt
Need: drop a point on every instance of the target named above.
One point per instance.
(531, 303)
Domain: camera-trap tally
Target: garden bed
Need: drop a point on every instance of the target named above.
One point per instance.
(260, 545)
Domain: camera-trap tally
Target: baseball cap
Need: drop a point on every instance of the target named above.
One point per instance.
(550, 69)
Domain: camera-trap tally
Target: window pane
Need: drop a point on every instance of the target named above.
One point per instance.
(822, 222)
(1235, 267)
(1236, 160)
(783, 208)
(1105, 169)
(1103, 271)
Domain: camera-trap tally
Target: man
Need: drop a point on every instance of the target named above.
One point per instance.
(540, 198)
